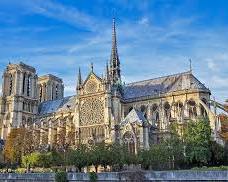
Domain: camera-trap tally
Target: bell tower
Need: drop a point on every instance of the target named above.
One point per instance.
(18, 103)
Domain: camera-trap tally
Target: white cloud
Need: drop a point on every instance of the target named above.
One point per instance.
(212, 65)
(144, 21)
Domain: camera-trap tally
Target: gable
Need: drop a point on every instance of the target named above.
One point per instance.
(92, 84)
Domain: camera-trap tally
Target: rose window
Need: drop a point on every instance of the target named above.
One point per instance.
(92, 112)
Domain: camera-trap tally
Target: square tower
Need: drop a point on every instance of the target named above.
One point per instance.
(19, 101)
(50, 87)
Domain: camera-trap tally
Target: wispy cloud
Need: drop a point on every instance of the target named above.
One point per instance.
(163, 47)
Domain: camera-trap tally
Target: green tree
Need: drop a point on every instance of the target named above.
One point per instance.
(31, 160)
(78, 157)
(197, 137)
(217, 153)
(175, 148)
(14, 145)
(117, 156)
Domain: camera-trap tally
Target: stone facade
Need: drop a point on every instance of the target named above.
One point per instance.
(137, 114)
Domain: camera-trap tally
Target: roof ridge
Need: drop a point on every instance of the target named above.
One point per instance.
(181, 73)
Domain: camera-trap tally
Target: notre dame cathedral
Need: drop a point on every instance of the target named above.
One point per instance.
(103, 108)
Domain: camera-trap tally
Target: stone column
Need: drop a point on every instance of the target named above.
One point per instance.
(146, 137)
(68, 129)
(50, 132)
(5, 81)
(43, 92)
(58, 129)
(32, 84)
(20, 83)
(41, 132)
(35, 87)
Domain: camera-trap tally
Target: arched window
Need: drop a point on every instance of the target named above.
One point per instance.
(41, 92)
(23, 88)
(23, 106)
(23, 123)
(144, 110)
(202, 109)
(167, 110)
(129, 142)
(53, 92)
(192, 109)
(178, 108)
(155, 115)
(10, 84)
(56, 91)
(29, 121)
(29, 85)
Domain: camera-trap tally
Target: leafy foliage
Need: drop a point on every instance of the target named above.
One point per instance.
(197, 139)
(93, 177)
(61, 176)
(79, 157)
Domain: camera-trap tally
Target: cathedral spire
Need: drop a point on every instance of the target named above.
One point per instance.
(79, 78)
(114, 60)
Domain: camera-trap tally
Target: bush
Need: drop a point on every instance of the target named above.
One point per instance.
(20, 170)
(92, 176)
(61, 176)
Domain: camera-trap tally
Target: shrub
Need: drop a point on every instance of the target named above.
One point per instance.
(61, 176)
(92, 176)
(20, 170)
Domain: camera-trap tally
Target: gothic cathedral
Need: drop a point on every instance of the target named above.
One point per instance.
(137, 114)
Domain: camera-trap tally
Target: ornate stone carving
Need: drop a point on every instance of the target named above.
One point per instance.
(92, 111)
(91, 86)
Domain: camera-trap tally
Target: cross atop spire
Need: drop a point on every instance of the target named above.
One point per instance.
(114, 60)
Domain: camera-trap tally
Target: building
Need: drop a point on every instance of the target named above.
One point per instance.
(137, 114)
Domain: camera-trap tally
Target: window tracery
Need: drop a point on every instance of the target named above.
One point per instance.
(192, 109)
(91, 86)
(92, 112)
(129, 142)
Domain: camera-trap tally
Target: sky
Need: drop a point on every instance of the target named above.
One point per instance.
(155, 38)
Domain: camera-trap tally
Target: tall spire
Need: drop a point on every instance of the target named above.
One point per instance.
(79, 78)
(114, 60)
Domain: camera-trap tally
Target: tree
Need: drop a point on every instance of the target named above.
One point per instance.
(217, 153)
(197, 137)
(117, 154)
(14, 145)
(31, 160)
(175, 148)
(78, 157)
(37, 159)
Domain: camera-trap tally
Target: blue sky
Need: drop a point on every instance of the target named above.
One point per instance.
(155, 38)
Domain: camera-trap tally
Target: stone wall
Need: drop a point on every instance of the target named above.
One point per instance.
(102, 177)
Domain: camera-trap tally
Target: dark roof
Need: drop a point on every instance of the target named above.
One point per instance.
(161, 85)
(131, 91)
(67, 103)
